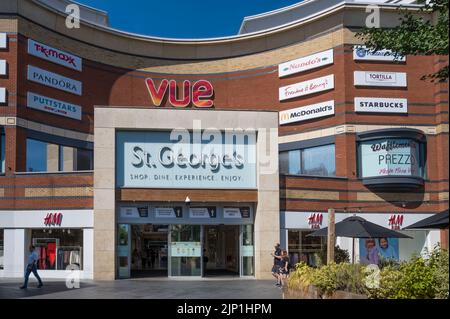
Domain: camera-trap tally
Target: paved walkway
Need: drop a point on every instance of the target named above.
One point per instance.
(145, 289)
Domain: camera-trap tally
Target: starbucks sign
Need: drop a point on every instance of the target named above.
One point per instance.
(390, 157)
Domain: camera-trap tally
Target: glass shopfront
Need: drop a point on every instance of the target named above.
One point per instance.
(58, 248)
(185, 250)
(304, 249)
(187, 242)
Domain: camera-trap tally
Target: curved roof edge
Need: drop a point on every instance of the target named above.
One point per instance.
(87, 14)
(251, 26)
(305, 10)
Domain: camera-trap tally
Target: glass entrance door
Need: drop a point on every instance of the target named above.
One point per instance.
(185, 251)
(123, 250)
(247, 251)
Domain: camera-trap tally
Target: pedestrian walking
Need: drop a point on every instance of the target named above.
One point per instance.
(284, 268)
(32, 268)
(276, 262)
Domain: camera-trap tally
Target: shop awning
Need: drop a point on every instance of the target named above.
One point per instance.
(437, 221)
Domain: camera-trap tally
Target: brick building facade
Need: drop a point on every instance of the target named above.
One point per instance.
(78, 176)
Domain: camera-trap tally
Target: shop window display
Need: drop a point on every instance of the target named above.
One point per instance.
(58, 248)
(302, 248)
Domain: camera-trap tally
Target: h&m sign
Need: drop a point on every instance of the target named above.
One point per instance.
(53, 219)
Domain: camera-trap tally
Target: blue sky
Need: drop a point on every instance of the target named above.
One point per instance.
(183, 19)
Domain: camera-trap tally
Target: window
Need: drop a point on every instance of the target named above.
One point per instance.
(1, 249)
(2, 153)
(84, 160)
(58, 248)
(314, 161)
(302, 248)
(47, 157)
(36, 156)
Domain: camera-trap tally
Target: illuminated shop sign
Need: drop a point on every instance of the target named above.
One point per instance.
(46, 104)
(54, 80)
(395, 221)
(169, 212)
(54, 55)
(236, 212)
(182, 159)
(309, 62)
(198, 94)
(203, 212)
(307, 87)
(3, 40)
(380, 105)
(362, 53)
(2, 95)
(315, 220)
(307, 112)
(390, 157)
(53, 219)
(2, 67)
(373, 78)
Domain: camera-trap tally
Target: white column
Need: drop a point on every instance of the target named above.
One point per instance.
(14, 252)
(88, 253)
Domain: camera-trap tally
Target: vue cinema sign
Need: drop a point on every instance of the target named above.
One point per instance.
(198, 94)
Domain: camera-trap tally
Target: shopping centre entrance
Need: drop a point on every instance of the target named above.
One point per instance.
(221, 250)
(152, 250)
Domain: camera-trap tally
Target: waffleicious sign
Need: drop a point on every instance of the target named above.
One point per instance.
(198, 94)
(380, 105)
(309, 62)
(362, 53)
(54, 80)
(46, 104)
(307, 87)
(307, 112)
(374, 78)
(54, 55)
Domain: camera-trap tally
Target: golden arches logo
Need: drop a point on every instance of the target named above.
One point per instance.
(284, 116)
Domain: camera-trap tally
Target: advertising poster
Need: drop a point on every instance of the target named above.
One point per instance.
(374, 250)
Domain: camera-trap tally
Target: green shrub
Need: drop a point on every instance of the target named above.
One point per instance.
(340, 256)
(439, 264)
(420, 278)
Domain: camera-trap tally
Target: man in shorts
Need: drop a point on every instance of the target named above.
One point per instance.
(276, 262)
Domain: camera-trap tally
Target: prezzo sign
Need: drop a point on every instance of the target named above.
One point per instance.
(381, 105)
(362, 53)
(390, 157)
(372, 78)
(46, 104)
(307, 112)
(236, 212)
(203, 212)
(199, 94)
(54, 80)
(307, 87)
(182, 159)
(53, 219)
(306, 63)
(54, 55)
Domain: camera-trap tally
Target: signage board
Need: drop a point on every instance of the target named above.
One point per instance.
(306, 87)
(307, 112)
(309, 62)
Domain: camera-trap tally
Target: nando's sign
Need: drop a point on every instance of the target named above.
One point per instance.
(198, 94)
